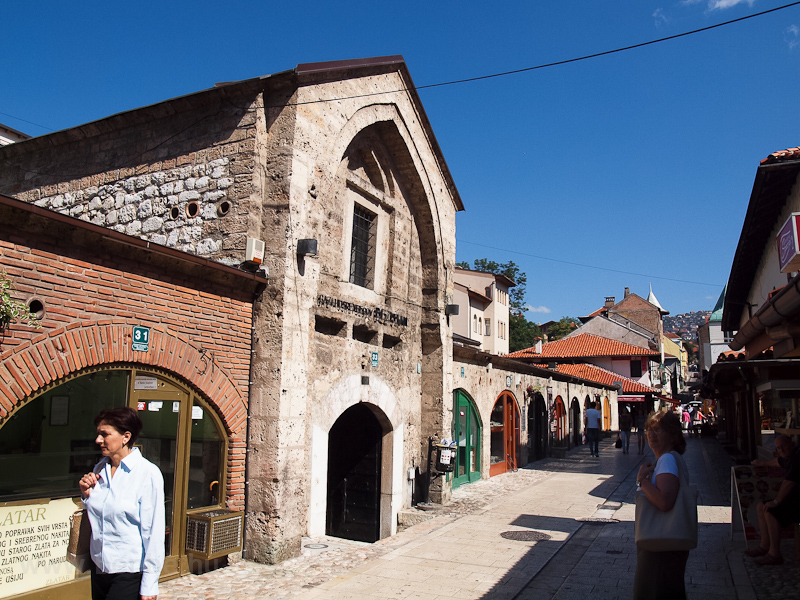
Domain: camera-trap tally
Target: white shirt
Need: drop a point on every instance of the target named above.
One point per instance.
(127, 517)
(665, 464)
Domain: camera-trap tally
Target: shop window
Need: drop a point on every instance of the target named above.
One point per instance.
(205, 460)
(48, 445)
(362, 252)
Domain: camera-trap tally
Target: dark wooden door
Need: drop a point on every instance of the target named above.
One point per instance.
(354, 476)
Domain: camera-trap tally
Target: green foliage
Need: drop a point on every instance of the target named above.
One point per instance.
(561, 328)
(12, 310)
(516, 295)
(522, 333)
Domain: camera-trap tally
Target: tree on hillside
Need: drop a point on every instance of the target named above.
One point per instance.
(522, 333)
(564, 326)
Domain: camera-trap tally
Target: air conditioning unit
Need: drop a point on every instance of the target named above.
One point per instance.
(214, 533)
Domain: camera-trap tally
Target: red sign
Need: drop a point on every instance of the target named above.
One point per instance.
(630, 398)
(788, 246)
(140, 406)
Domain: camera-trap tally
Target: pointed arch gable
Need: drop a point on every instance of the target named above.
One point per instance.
(387, 122)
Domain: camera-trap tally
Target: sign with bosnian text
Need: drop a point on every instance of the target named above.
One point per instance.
(33, 546)
(384, 317)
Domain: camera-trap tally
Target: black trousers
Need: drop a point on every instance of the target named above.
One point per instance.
(115, 586)
(659, 575)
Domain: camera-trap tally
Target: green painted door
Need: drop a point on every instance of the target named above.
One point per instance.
(468, 435)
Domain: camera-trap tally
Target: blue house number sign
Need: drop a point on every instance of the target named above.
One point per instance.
(141, 339)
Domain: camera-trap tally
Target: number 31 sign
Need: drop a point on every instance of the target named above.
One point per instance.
(141, 339)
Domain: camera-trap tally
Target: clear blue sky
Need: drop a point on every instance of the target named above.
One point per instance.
(641, 162)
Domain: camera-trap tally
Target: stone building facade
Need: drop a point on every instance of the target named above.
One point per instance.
(351, 338)
(340, 351)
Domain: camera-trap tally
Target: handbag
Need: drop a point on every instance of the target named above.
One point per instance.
(676, 529)
(618, 443)
(80, 537)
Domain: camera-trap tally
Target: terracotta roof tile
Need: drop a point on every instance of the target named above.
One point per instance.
(781, 155)
(584, 345)
(605, 377)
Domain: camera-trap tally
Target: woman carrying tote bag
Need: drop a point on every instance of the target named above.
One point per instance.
(666, 513)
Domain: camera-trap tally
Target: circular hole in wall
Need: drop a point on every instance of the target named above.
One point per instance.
(223, 208)
(192, 208)
(174, 212)
(36, 307)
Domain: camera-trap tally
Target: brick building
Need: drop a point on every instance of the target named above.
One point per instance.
(91, 289)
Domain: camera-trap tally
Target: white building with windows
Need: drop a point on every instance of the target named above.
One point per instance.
(483, 314)
(712, 339)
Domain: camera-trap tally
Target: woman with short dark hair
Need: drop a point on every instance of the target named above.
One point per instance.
(124, 499)
(660, 573)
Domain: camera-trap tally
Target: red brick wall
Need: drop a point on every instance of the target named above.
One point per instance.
(91, 307)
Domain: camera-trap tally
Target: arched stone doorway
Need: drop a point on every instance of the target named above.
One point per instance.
(467, 434)
(559, 422)
(606, 414)
(537, 428)
(575, 422)
(354, 475)
(504, 440)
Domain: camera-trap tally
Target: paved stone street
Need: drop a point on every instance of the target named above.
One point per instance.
(561, 528)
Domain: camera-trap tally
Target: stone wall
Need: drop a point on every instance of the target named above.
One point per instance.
(182, 181)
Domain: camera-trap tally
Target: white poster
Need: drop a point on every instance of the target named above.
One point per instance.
(33, 546)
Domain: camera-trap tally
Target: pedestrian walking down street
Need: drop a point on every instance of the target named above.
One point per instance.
(592, 423)
(641, 418)
(625, 423)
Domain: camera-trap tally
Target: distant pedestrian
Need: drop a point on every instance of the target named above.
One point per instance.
(641, 418)
(592, 423)
(625, 424)
(686, 419)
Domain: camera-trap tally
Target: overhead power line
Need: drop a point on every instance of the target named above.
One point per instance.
(585, 266)
(607, 52)
(525, 69)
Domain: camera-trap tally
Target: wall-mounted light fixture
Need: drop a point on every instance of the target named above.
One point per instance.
(451, 309)
(306, 247)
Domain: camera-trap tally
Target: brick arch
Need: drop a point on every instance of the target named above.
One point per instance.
(44, 359)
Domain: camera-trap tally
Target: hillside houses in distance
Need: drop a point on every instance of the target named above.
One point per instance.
(686, 324)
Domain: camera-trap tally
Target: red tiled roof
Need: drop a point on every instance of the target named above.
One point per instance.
(781, 155)
(584, 345)
(672, 336)
(598, 312)
(605, 377)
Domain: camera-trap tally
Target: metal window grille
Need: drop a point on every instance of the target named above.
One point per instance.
(362, 254)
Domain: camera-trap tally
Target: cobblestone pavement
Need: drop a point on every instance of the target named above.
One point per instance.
(552, 569)
(245, 580)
